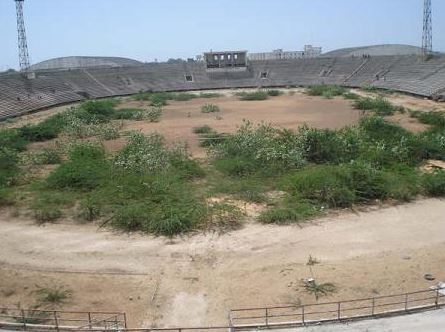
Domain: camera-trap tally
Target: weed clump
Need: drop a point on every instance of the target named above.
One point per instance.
(210, 108)
(379, 105)
(326, 91)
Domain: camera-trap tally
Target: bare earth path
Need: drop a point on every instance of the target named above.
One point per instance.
(194, 280)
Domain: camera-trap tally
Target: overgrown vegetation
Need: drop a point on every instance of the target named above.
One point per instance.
(150, 187)
(255, 95)
(379, 105)
(162, 98)
(326, 91)
(321, 169)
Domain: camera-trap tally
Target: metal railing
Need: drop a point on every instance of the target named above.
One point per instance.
(25, 319)
(296, 315)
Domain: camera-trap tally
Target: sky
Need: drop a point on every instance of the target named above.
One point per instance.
(146, 30)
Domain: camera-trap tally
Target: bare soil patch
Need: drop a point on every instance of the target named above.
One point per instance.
(202, 276)
(287, 111)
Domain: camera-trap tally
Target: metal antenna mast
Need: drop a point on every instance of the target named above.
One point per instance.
(23, 46)
(427, 39)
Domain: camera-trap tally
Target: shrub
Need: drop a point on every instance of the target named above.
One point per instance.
(86, 169)
(203, 130)
(6, 197)
(290, 213)
(224, 217)
(256, 95)
(47, 214)
(109, 131)
(434, 118)
(52, 295)
(184, 96)
(434, 183)
(327, 91)
(9, 169)
(209, 108)
(379, 105)
(154, 113)
(351, 96)
(330, 185)
(143, 154)
(89, 209)
(46, 156)
(160, 98)
(128, 114)
(12, 140)
(175, 212)
(274, 93)
(261, 147)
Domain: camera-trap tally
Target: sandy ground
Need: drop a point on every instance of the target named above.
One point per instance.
(195, 280)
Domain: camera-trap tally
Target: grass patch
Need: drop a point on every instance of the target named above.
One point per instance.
(435, 119)
(378, 105)
(256, 95)
(56, 295)
(274, 92)
(326, 91)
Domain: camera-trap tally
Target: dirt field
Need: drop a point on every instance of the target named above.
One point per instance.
(285, 111)
(196, 279)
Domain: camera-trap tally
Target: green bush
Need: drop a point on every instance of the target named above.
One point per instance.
(9, 169)
(175, 211)
(327, 91)
(292, 213)
(379, 105)
(47, 214)
(12, 140)
(154, 113)
(89, 209)
(184, 96)
(274, 93)
(256, 95)
(46, 156)
(85, 170)
(209, 108)
(128, 114)
(433, 118)
(434, 183)
(259, 148)
(6, 197)
(203, 130)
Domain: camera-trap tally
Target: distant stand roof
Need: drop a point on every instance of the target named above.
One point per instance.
(84, 62)
(375, 50)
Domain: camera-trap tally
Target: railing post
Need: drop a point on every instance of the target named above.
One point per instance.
(23, 319)
(56, 321)
(339, 311)
(302, 314)
(125, 320)
(406, 302)
(267, 317)
(437, 298)
(89, 320)
(373, 306)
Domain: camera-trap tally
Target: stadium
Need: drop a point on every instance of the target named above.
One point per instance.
(231, 191)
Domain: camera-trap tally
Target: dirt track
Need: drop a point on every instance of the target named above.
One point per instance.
(195, 280)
